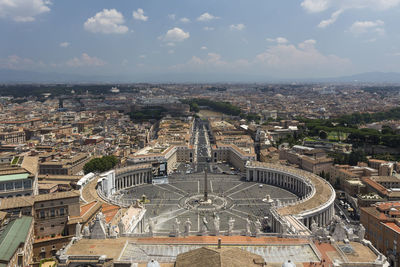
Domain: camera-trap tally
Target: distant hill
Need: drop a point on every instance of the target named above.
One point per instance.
(20, 76)
(366, 77)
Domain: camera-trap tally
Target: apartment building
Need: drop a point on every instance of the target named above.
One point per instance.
(16, 182)
(52, 214)
(63, 164)
(382, 225)
(12, 137)
(16, 240)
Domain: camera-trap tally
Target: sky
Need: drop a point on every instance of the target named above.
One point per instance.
(253, 38)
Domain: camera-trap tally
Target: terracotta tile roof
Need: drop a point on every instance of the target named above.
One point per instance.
(380, 188)
(87, 207)
(392, 226)
(109, 211)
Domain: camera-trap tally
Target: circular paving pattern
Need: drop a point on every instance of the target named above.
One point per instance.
(214, 203)
(228, 197)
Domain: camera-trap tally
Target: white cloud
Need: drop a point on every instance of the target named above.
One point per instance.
(139, 15)
(142, 56)
(16, 62)
(64, 44)
(171, 51)
(372, 40)
(331, 20)
(212, 62)
(23, 10)
(85, 60)
(303, 58)
(295, 61)
(279, 40)
(208, 28)
(172, 16)
(314, 6)
(106, 21)
(175, 35)
(203, 48)
(206, 17)
(360, 27)
(237, 27)
(185, 20)
(212, 59)
(124, 62)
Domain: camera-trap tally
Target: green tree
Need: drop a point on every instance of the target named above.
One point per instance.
(194, 107)
(323, 135)
(102, 164)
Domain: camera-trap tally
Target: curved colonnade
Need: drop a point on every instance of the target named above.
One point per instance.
(113, 181)
(315, 196)
(315, 201)
(132, 175)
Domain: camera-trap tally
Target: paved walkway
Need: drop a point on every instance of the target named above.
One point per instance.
(89, 192)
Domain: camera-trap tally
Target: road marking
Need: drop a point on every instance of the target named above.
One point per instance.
(242, 189)
(198, 187)
(178, 189)
(233, 188)
(168, 190)
(211, 187)
(236, 215)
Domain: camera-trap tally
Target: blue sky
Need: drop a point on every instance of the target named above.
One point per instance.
(271, 38)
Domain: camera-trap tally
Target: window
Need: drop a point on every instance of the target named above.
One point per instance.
(52, 226)
(52, 213)
(1, 187)
(62, 212)
(41, 228)
(20, 260)
(18, 184)
(42, 215)
(27, 184)
(9, 186)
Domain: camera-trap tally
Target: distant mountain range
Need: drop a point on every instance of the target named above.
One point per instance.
(19, 76)
(367, 77)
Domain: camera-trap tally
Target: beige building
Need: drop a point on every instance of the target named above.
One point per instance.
(65, 165)
(16, 182)
(12, 137)
(51, 213)
(163, 153)
(232, 154)
(16, 243)
(309, 159)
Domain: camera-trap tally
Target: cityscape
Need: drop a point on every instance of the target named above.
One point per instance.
(289, 159)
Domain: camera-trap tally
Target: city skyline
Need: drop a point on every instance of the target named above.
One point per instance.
(255, 40)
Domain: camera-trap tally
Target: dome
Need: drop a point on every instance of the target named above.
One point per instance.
(153, 263)
(288, 263)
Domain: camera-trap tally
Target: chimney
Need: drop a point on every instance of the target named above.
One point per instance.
(219, 243)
